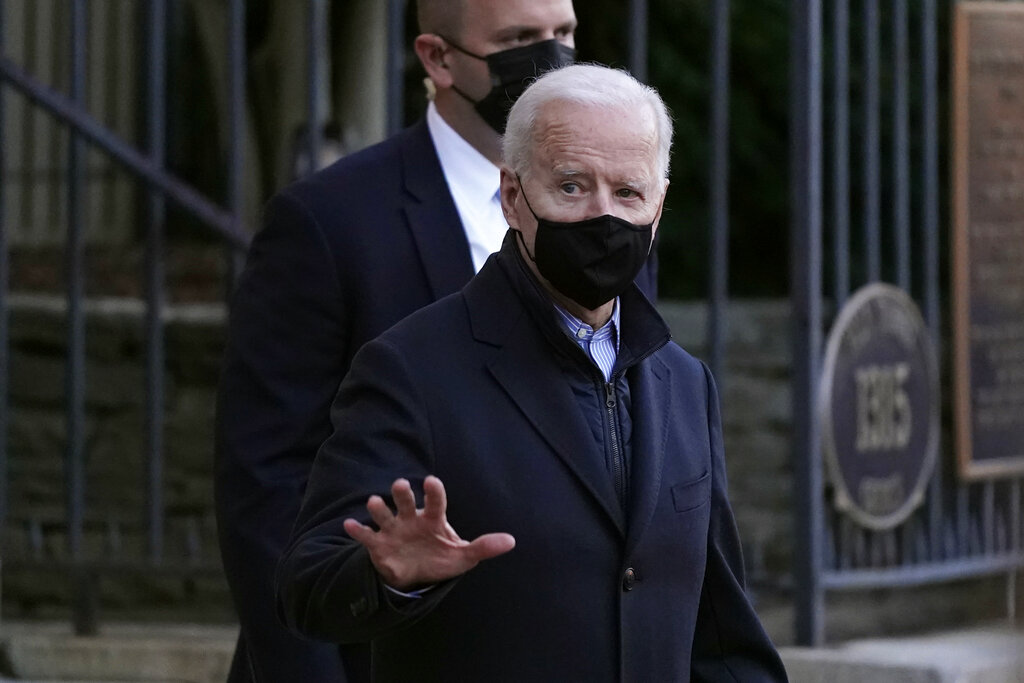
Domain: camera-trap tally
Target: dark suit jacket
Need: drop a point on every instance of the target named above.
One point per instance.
(341, 257)
(474, 390)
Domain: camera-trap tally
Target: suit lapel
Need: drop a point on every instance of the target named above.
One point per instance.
(652, 410)
(433, 218)
(527, 371)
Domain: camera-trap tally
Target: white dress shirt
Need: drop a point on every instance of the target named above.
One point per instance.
(473, 181)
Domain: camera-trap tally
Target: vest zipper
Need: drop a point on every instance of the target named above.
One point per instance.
(618, 466)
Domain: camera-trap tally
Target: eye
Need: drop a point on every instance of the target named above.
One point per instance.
(626, 193)
(569, 188)
(524, 37)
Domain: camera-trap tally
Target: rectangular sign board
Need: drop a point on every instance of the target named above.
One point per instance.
(988, 237)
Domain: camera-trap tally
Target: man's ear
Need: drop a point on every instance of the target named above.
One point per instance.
(431, 50)
(509, 194)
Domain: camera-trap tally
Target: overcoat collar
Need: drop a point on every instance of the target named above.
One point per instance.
(433, 219)
(509, 310)
(653, 409)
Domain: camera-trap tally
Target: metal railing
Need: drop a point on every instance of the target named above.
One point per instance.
(963, 529)
(224, 220)
(148, 167)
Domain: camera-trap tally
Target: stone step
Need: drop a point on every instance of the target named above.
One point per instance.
(188, 653)
(987, 655)
(143, 653)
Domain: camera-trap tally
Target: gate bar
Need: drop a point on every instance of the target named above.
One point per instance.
(872, 132)
(719, 289)
(156, 64)
(4, 307)
(317, 55)
(1016, 543)
(901, 144)
(236, 132)
(805, 289)
(919, 575)
(84, 604)
(930, 144)
(930, 232)
(841, 153)
(396, 65)
(637, 32)
(74, 273)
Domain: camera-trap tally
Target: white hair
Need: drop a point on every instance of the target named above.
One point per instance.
(586, 84)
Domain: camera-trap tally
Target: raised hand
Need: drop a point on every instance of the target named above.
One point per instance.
(416, 547)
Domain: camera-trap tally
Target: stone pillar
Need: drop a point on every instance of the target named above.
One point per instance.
(36, 144)
(353, 82)
(360, 74)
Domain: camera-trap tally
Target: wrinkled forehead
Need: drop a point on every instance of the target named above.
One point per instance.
(570, 129)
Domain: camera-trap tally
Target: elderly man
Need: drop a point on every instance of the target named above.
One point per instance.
(544, 413)
(342, 256)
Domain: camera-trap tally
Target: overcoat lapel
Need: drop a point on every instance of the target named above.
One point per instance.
(433, 218)
(550, 407)
(527, 368)
(652, 410)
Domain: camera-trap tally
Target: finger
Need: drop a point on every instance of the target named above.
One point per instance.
(435, 500)
(359, 532)
(489, 545)
(405, 501)
(380, 512)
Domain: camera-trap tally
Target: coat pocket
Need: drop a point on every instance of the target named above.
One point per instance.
(691, 495)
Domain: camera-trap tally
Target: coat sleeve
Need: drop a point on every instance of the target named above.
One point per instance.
(729, 643)
(282, 367)
(327, 586)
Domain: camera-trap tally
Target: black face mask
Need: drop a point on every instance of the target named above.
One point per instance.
(590, 261)
(511, 71)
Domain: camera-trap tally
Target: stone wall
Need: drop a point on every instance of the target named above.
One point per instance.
(756, 408)
(115, 444)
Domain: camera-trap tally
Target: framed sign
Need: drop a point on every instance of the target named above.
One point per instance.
(988, 238)
(879, 407)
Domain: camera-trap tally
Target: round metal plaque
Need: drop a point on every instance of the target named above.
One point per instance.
(879, 404)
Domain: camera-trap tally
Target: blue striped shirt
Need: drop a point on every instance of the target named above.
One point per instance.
(601, 345)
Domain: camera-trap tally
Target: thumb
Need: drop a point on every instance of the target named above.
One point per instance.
(490, 545)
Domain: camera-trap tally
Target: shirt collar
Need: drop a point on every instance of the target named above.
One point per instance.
(580, 330)
(469, 173)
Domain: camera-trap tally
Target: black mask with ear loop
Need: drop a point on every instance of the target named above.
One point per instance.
(511, 71)
(590, 261)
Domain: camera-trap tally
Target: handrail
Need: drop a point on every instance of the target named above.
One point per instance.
(183, 194)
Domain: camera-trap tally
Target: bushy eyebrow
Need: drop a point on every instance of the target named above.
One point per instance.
(569, 173)
(568, 27)
(510, 32)
(531, 31)
(640, 185)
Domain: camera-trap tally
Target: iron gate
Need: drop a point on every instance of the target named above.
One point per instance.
(866, 199)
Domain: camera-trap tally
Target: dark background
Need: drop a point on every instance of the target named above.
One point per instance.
(679, 66)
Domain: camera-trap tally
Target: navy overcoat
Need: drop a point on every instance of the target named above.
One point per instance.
(474, 389)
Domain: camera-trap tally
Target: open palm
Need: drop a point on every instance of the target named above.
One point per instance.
(417, 547)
